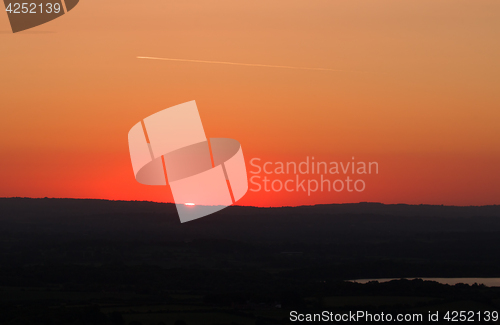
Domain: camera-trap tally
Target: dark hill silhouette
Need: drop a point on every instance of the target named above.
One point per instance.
(93, 206)
(81, 217)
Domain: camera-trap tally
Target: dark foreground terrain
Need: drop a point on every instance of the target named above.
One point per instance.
(65, 261)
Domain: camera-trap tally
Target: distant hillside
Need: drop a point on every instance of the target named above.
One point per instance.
(365, 240)
(80, 217)
(93, 206)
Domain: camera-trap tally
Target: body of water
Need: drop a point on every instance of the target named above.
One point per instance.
(489, 282)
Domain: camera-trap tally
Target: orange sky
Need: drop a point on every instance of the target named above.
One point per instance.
(419, 92)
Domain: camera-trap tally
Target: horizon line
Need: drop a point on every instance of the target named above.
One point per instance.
(252, 206)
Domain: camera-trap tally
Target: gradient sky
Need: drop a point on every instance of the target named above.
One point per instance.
(419, 92)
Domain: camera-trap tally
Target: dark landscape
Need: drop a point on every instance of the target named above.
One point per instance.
(69, 261)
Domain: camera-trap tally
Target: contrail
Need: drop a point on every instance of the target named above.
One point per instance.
(241, 64)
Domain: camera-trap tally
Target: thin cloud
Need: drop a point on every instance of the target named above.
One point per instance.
(240, 64)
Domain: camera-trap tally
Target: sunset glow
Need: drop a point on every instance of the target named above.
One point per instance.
(415, 92)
